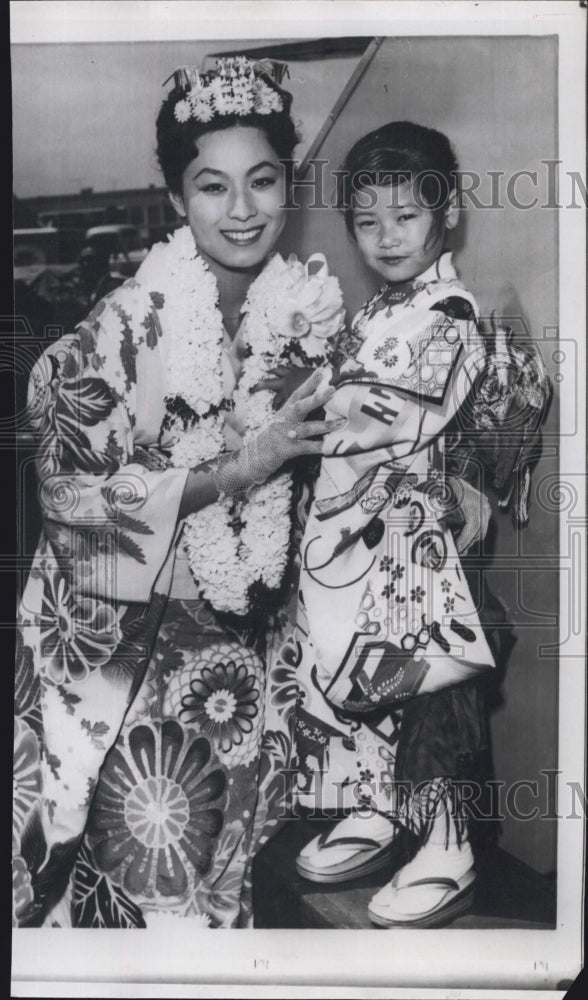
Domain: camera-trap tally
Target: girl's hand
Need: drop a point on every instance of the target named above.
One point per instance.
(287, 379)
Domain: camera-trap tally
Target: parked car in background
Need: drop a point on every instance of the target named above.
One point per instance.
(124, 245)
(59, 273)
(42, 245)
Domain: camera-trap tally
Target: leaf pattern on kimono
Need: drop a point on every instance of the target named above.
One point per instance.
(92, 785)
(126, 544)
(128, 350)
(33, 845)
(95, 731)
(85, 401)
(133, 523)
(99, 902)
(93, 322)
(277, 745)
(53, 762)
(153, 329)
(113, 449)
(158, 299)
(49, 875)
(77, 403)
(111, 534)
(26, 694)
(71, 367)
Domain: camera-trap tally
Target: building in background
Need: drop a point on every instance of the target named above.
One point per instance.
(148, 209)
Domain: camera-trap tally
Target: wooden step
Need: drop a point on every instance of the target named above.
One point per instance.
(508, 892)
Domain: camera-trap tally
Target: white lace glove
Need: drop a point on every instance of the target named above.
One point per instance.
(286, 437)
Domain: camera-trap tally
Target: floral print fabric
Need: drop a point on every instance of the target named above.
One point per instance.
(173, 821)
(385, 611)
(147, 764)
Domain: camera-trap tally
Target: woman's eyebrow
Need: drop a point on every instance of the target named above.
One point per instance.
(208, 170)
(221, 173)
(258, 166)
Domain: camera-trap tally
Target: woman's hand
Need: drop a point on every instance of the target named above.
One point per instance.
(287, 379)
(288, 436)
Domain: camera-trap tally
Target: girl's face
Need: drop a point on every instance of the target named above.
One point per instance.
(232, 193)
(397, 236)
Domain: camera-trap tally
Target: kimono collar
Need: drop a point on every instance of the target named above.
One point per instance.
(441, 270)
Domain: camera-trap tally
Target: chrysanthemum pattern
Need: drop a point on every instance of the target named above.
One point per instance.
(159, 809)
(219, 693)
(22, 892)
(26, 773)
(77, 635)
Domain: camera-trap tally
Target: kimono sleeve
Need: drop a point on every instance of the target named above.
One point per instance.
(420, 370)
(109, 521)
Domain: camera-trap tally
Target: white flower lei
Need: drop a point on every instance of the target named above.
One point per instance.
(224, 561)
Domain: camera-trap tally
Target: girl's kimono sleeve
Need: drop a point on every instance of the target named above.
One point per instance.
(421, 367)
(110, 522)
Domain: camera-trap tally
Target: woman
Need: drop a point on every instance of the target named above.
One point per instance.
(141, 787)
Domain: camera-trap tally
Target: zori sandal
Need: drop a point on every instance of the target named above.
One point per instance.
(424, 902)
(356, 846)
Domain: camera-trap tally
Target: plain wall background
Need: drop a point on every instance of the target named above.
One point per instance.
(496, 100)
(84, 115)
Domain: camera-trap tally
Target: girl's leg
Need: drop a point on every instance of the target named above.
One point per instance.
(367, 839)
(443, 740)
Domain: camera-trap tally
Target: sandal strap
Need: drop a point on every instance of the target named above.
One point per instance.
(362, 842)
(447, 883)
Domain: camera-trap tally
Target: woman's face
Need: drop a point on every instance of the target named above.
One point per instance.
(232, 197)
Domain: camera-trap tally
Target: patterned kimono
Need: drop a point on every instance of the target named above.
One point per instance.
(385, 610)
(148, 749)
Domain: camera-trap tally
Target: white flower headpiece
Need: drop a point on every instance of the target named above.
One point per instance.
(236, 87)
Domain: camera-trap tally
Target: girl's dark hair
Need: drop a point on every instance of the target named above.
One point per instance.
(395, 153)
(177, 141)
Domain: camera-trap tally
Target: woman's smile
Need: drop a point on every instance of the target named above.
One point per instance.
(233, 195)
(243, 237)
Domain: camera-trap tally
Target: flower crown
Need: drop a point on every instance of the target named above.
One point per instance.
(236, 87)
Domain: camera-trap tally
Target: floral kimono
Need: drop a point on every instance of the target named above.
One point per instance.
(385, 611)
(149, 743)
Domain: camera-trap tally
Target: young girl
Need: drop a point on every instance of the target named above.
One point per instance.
(385, 608)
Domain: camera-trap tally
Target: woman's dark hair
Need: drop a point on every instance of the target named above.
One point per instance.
(396, 153)
(177, 141)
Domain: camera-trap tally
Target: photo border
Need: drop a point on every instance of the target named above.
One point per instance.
(288, 963)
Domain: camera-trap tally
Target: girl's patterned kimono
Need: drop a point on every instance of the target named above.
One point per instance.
(385, 609)
(147, 769)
